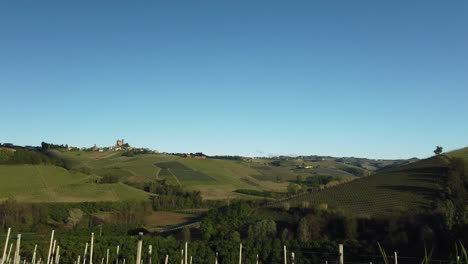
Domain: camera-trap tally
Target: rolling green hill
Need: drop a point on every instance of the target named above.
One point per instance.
(409, 187)
(214, 178)
(47, 183)
(459, 153)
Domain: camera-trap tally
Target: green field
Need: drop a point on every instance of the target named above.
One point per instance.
(46, 183)
(410, 187)
(214, 178)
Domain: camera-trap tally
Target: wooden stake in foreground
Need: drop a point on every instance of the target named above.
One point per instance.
(186, 249)
(50, 246)
(167, 259)
(17, 259)
(9, 253)
(340, 249)
(240, 253)
(85, 252)
(140, 246)
(91, 249)
(396, 258)
(107, 257)
(150, 251)
(6, 245)
(284, 253)
(117, 256)
(33, 260)
(57, 255)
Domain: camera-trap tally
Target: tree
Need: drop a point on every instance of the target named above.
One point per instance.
(294, 188)
(75, 216)
(308, 229)
(262, 229)
(186, 234)
(438, 150)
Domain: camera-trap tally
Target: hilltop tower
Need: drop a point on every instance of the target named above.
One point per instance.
(119, 143)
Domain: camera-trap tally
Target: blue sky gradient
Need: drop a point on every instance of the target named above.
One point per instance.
(345, 78)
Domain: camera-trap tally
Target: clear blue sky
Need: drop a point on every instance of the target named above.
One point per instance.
(381, 79)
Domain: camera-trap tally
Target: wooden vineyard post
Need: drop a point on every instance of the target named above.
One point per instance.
(140, 247)
(6, 245)
(33, 259)
(185, 252)
(396, 258)
(166, 259)
(9, 253)
(340, 250)
(240, 253)
(257, 258)
(50, 246)
(85, 252)
(117, 256)
(91, 249)
(17, 259)
(57, 255)
(79, 259)
(216, 260)
(292, 257)
(150, 252)
(284, 255)
(107, 256)
(54, 247)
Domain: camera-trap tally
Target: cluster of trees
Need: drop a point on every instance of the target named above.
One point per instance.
(25, 156)
(453, 203)
(170, 197)
(109, 178)
(226, 157)
(133, 152)
(22, 216)
(262, 232)
(317, 180)
(47, 146)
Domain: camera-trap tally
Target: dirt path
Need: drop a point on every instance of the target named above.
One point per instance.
(44, 182)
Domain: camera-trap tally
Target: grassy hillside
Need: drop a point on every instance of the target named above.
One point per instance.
(460, 153)
(410, 187)
(214, 178)
(47, 183)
